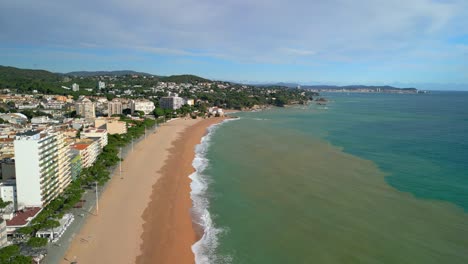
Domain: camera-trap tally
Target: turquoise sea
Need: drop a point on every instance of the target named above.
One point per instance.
(369, 178)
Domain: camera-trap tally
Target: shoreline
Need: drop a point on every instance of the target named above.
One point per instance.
(114, 236)
(169, 230)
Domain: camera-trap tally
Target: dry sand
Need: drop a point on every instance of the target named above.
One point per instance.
(151, 203)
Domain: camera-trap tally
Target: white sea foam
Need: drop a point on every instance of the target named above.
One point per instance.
(204, 249)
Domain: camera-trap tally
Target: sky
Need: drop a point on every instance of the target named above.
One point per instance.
(406, 43)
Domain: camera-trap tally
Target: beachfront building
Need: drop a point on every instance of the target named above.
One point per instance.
(114, 108)
(96, 133)
(112, 125)
(116, 127)
(3, 233)
(42, 166)
(75, 165)
(85, 108)
(88, 150)
(216, 111)
(171, 102)
(142, 105)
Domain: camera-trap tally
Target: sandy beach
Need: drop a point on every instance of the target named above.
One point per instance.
(145, 217)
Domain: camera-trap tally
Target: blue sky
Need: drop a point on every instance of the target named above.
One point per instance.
(420, 43)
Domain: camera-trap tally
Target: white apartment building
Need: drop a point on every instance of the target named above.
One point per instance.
(8, 191)
(114, 108)
(142, 105)
(88, 150)
(85, 108)
(101, 85)
(75, 87)
(171, 102)
(96, 133)
(42, 165)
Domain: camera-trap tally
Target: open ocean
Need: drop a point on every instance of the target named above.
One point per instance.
(370, 178)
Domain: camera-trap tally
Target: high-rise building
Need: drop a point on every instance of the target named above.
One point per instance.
(114, 108)
(76, 165)
(171, 102)
(85, 108)
(42, 164)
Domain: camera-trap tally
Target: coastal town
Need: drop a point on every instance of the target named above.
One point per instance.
(60, 142)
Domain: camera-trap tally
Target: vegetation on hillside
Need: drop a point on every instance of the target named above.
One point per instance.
(185, 78)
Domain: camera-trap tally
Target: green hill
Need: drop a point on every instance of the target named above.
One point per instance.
(28, 80)
(12, 74)
(105, 73)
(185, 78)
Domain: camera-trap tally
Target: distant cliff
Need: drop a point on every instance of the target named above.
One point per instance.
(359, 88)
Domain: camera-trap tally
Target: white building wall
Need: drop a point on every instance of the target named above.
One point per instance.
(142, 105)
(27, 173)
(7, 193)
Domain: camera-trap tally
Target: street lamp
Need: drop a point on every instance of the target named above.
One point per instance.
(97, 199)
(120, 159)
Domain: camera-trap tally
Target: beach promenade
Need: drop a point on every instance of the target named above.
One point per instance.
(131, 206)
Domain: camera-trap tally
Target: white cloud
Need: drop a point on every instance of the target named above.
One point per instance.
(242, 30)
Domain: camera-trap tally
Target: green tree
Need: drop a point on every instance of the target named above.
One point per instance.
(158, 112)
(11, 254)
(110, 97)
(37, 242)
(280, 101)
(4, 204)
(127, 111)
(11, 104)
(49, 224)
(27, 230)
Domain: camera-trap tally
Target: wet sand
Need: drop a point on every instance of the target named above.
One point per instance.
(168, 231)
(152, 198)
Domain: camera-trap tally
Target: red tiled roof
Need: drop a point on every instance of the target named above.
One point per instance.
(80, 146)
(21, 218)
